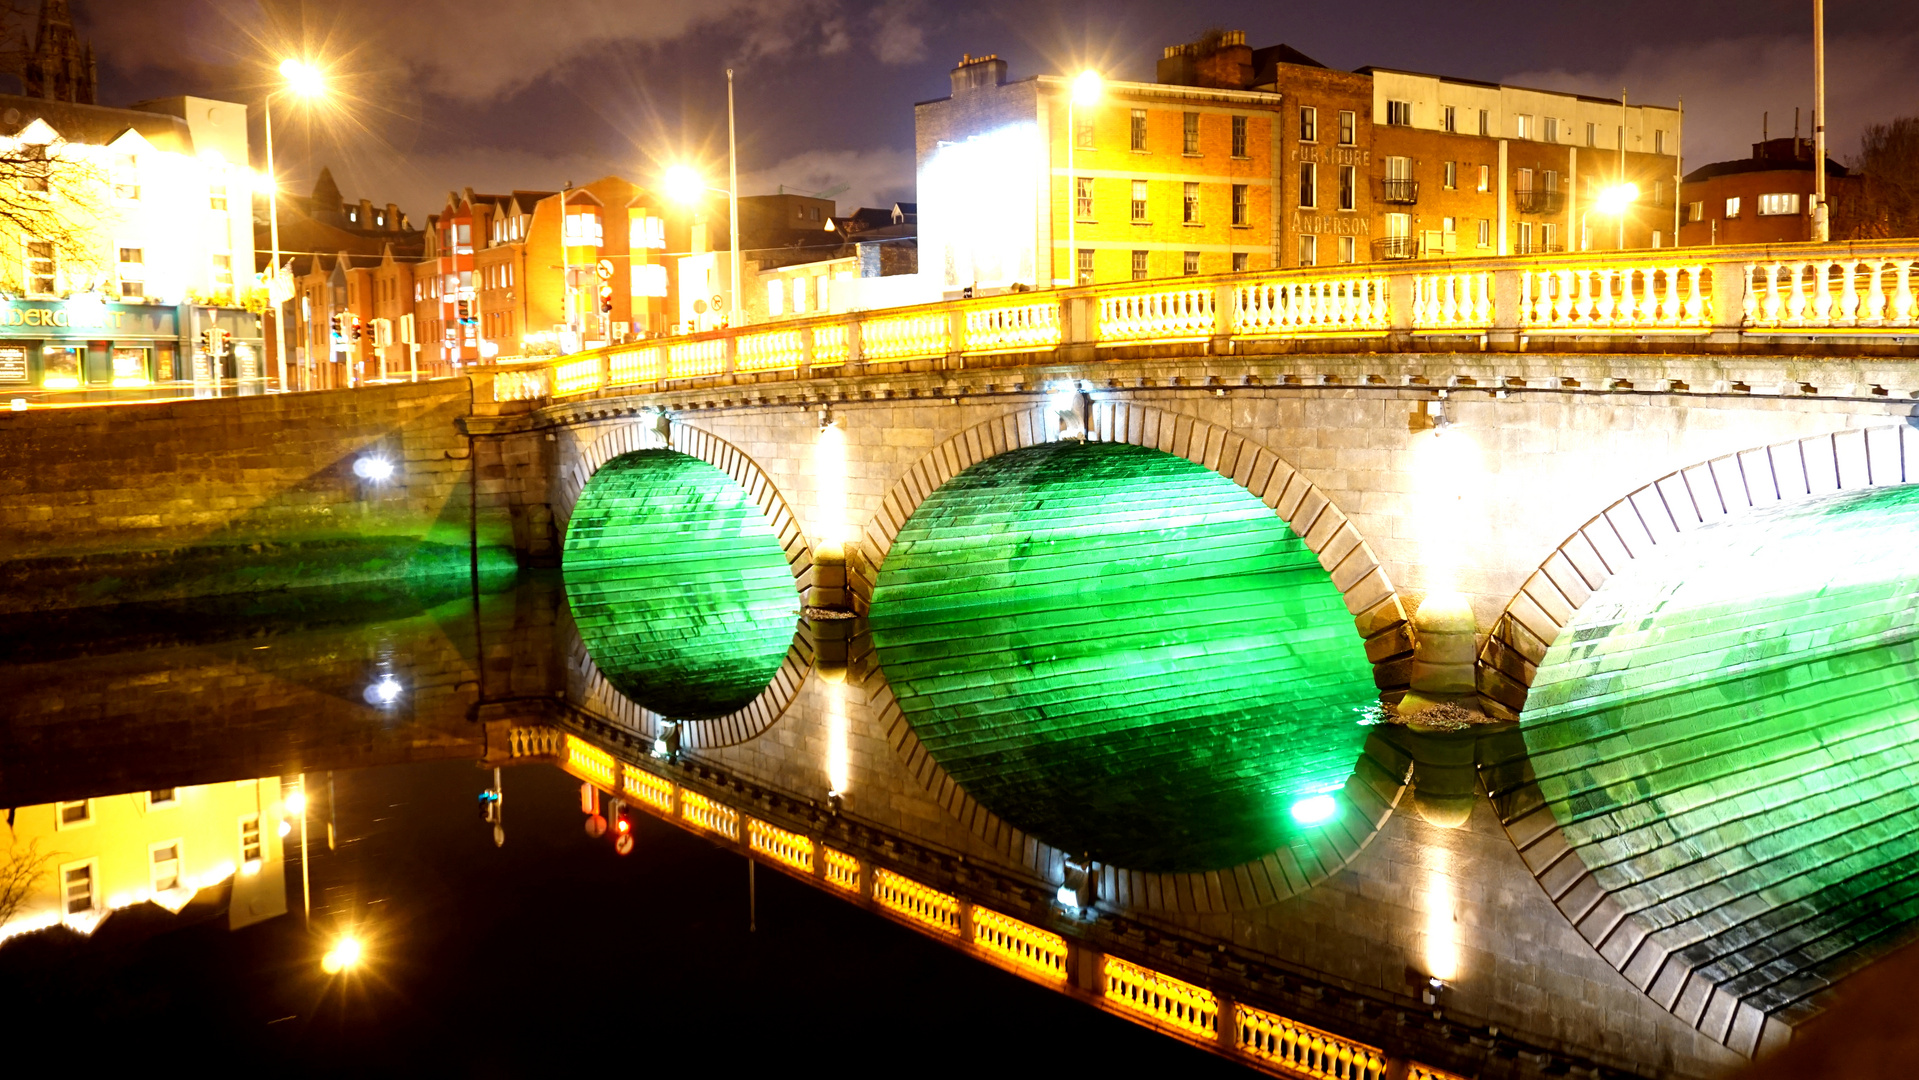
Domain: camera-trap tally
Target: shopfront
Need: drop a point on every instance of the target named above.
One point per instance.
(86, 344)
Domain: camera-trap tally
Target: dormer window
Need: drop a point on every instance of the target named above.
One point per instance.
(126, 178)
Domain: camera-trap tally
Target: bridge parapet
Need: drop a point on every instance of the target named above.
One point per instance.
(1859, 295)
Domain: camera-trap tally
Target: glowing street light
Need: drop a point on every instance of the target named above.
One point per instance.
(303, 80)
(1087, 88)
(1611, 201)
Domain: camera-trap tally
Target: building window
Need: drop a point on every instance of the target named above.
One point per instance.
(1485, 178)
(1192, 264)
(72, 815)
(1732, 207)
(1139, 266)
(1348, 127)
(1399, 113)
(76, 883)
(1083, 198)
(1448, 120)
(1190, 128)
(1592, 134)
(34, 168)
(1239, 136)
(1522, 126)
(1308, 249)
(1308, 184)
(1450, 175)
(1139, 129)
(1348, 250)
(1775, 204)
(1485, 233)
(1696, 211)
(1549, 131)
(133, 272)
(164, 858)
(1083, 266)
(1485, 122)
(251, 850)
(161, 798)
(217, 196)
(223, 273)
(582, 229)
(799, 296)
(1191, 203)
(1348, 187)
(1659, 193)
(126, 178)
(1308, 124)
(1525, 235)
(776, 297)
(1550, 179)
(1239, 262)
(1658, 238)
(41, 278)
(1242, 209)
(1549, 236)
(1082, 135)
(1659, 144)
(1139, 200)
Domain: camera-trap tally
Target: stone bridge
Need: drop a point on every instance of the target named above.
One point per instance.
(1500, 667)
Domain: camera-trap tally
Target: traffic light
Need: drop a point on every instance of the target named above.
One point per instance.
(466, 312)
(214, 341)
(333, 323)
(355, 323)
(606, 299)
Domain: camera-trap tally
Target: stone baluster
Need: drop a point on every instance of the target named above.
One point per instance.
(1751, 305)
(1876, 294)
(1606, 307)
(1796, 300)
(1484, 306)
(1628, 306)
(1670, 311)
(1449, 299)
(1822, 292)
(1902, 299)
(1526, 296)
(1849, 293)
(1695, 306)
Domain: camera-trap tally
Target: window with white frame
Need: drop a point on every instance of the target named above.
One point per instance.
(1659, 140)
(1139, 200)
(1189, 128)
(1348, 187)
(42, 280)
(1083, 266)
(1139, 266)
(72, 815)
(1083, 198)
(1449, 175)
(1732, 207)
(160, 798)
(1191, 265)
(217, 195)
(1241, 260)
(1308, 249)
(78, 893)
(1348, 250)
(163, 861)
(1242, 206)
(126, 178)
(1449, 119)
(1522, 126)
(1485, 233)
(1696, 210)
(1399, 113)
(1592, 134)
(1082, 135)
(1777, 203)
(583, 228)
(1139, 130)
(1348, 127)
(799, 296)
(1239, 136)
(132, 272)
(1549, 130)
(223, 273)
(1485, 122)
(1485, 178)
(1308, 185)
(1308, 124)
(1190, 203)
(776, 297)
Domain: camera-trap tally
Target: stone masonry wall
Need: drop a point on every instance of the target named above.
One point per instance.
(156, 501)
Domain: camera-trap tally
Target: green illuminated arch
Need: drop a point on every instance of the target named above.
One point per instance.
(1122, 652)
(1728, 738)
(678, 584)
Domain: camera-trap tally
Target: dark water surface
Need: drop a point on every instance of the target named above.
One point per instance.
(545, 954)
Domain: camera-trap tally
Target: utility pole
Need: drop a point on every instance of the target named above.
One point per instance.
(733, 199)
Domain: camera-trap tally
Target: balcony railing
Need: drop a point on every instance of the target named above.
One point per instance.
(1401, 191)
(1847, 291)
(1539, 200)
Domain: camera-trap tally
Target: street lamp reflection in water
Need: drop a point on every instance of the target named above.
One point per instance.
(344, 956)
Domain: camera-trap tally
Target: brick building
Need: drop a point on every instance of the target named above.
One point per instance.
(1243, 158)
(1764, 199)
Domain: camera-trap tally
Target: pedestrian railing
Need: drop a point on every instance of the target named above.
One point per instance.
(1843, 291)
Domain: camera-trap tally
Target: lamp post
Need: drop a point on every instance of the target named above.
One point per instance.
(685, 185)
(1821, 214)
(1087, 87)
(305, 80)
(733, 199)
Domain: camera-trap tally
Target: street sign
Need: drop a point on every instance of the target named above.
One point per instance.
(605, 269)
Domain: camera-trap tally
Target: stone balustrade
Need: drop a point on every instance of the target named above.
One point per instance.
(1678, 297)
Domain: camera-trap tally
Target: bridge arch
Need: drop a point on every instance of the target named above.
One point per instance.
(592, 685)
(1714, 682)
(1377, 780)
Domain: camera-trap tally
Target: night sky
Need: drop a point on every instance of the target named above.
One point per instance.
(496, 94)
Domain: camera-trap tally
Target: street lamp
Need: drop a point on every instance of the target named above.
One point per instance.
(1611, 200)
(305, 81)
(1087, 87)
(684, 184)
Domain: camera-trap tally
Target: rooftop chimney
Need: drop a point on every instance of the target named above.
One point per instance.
(978, 72)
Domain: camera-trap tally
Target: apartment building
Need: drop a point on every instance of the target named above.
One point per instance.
(1387, 164)
(1019, 187)
(1764, 199)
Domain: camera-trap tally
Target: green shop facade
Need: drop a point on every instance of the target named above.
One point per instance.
(86, 344)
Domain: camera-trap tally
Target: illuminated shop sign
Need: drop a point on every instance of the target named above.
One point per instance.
(82, 318)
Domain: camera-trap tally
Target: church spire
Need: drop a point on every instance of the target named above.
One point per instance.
(60, 66)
